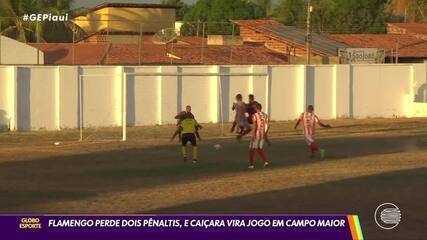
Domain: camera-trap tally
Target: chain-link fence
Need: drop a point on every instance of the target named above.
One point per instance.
(110, 42)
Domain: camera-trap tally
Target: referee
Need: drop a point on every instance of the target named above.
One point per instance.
(188, 128)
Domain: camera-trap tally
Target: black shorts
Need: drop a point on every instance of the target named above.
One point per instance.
(188, 137)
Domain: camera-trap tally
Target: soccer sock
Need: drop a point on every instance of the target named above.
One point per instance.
(195, 152)
(262, 155)
(251, 156)
(314, 148)
(184, 151)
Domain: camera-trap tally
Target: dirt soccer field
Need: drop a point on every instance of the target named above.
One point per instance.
(368, 162)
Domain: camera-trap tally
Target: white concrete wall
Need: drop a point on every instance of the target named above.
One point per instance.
(101, 94)
(69, 96)
(420, 82)
(200, 92)
(14, 52)
(380, 90)
(343, 91)
(287, 92)
(36, 98)
(7, 79)
(320, 89)
(43, 97)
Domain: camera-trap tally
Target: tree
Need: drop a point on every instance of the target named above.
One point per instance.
(290, 12)
(266, 5)
(217, 13)
(12, 24)
(183, 8)
(335, 16)
(407, 10)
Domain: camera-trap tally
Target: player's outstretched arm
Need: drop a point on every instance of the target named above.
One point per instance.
(178, 130)
(267, 140)
(297, 124)
(324, 125)
(198, 127)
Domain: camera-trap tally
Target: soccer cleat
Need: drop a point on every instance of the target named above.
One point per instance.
(266, 164)
(194, 160)
(251, 167)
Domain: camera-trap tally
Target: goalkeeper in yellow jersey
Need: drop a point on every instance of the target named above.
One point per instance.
(189, 127)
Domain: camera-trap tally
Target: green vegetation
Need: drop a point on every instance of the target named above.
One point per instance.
(218, 12)
(12, 24)
(335, 16)
(183, 8)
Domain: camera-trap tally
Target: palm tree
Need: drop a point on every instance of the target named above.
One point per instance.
(12, 24)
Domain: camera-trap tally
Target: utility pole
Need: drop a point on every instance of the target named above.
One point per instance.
(405, 21)
(308, 35)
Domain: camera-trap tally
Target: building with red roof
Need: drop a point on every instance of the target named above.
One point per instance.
(187, 50)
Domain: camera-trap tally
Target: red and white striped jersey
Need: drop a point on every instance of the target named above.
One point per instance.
(261, 121)
(309, 121)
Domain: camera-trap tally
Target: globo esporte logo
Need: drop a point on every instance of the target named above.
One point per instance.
(387, 216)
(30, 223)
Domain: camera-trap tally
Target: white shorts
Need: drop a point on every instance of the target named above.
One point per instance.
(256, 144)
(309, 139)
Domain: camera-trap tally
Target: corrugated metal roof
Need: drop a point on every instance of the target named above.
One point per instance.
(297, 35)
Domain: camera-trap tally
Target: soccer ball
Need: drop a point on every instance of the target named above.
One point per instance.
(217, 146)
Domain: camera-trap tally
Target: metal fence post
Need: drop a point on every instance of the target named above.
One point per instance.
(203, 43)
(108, 43)
(73, 60)
(37, 41)
(140, 44)
(0, 40)
(232, 42)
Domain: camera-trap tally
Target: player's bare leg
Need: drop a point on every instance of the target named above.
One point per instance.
(233, 127)
(242, 134)
(184, 153)
(195, 154)
(251, 158)
(241, 129)
(263, 157)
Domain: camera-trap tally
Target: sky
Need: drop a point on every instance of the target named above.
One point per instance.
(92, 3)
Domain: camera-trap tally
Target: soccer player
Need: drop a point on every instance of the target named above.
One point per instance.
(259, 132)
(180, 117)
(188, 128)
(240, 118)
(251, 107)
(250, 111)
(309, 121)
